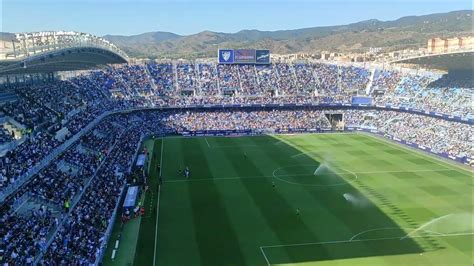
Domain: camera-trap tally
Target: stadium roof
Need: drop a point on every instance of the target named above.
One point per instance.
(43, 52)
(452, 61)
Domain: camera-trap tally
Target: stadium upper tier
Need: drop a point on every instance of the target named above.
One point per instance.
(461, 60)
(82, 133)
(50, 51)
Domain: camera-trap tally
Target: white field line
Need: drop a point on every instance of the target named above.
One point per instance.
(425, 225)
(207, 142)
(304, 153)
(234, 146)
(265, 256)
(391, 228)
(313, 185)
(156, 227)
(158, 202)
(337, 173)
(363, 240)
(161, 158)
(421, 154)
(279, 142)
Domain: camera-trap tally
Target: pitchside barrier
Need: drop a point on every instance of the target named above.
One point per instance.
(47, 159)
(387, 107)
(248, 132)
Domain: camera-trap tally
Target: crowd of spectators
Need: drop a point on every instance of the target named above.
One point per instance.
(228, 79)
(23, 237)
(354, 79)
(74, 103)
(186, 77)
(86, 173)
(306, 79)
(86, 177)
(384, 80)
(29, 113)
(452, 138)
(24, 233)
(423, 92)
(5, 135)
(21, 159)
(78, 242)
(244, 120)
(267, 81)
(162, 75)
(439, 135)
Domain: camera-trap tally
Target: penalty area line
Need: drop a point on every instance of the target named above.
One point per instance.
(362, 240)
(207, 142)
(265, 256)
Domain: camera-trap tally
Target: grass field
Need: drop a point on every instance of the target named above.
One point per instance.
(361, 201)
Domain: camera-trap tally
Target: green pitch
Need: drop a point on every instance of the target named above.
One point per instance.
(321, 199)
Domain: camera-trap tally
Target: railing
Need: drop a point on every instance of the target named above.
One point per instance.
(137, 149)
(427, 53)
(74, 203)
(20, 181)
(103, 246)
(27, 176)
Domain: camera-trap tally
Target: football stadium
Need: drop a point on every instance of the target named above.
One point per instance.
(238, 153)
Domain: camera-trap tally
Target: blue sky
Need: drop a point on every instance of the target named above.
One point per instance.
(128, 17)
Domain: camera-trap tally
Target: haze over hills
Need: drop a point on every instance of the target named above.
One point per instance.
(406, 32)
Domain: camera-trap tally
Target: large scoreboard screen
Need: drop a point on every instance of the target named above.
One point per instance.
(243, 56)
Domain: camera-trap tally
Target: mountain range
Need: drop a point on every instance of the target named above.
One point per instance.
(405, 32)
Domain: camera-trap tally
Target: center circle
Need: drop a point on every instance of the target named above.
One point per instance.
(316, 175)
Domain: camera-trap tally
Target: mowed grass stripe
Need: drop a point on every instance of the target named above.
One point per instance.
(342, 218)
(146, 237)
(216, 239)
(326, 215)
(278, 213)
(245, 216)
(421, 155)
(175, 213)
(312, 208)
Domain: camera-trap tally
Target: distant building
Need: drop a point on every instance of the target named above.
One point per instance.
(439, 45)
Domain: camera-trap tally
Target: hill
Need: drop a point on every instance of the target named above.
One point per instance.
(406, 32)
(6, 36)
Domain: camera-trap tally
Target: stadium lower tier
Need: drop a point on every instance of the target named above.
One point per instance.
(60, 214)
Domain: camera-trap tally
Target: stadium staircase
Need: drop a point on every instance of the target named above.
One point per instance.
(47, 159)
(175, 77)
(371, 80)
(76, 199)
(7, 97)
(217, 79)
(277, 75)
(151, 80)
(240, 81)
(198, 80)
(257, 77)
(295, 78)
(318, 83)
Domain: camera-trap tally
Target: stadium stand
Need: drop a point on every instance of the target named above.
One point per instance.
(60, 213)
